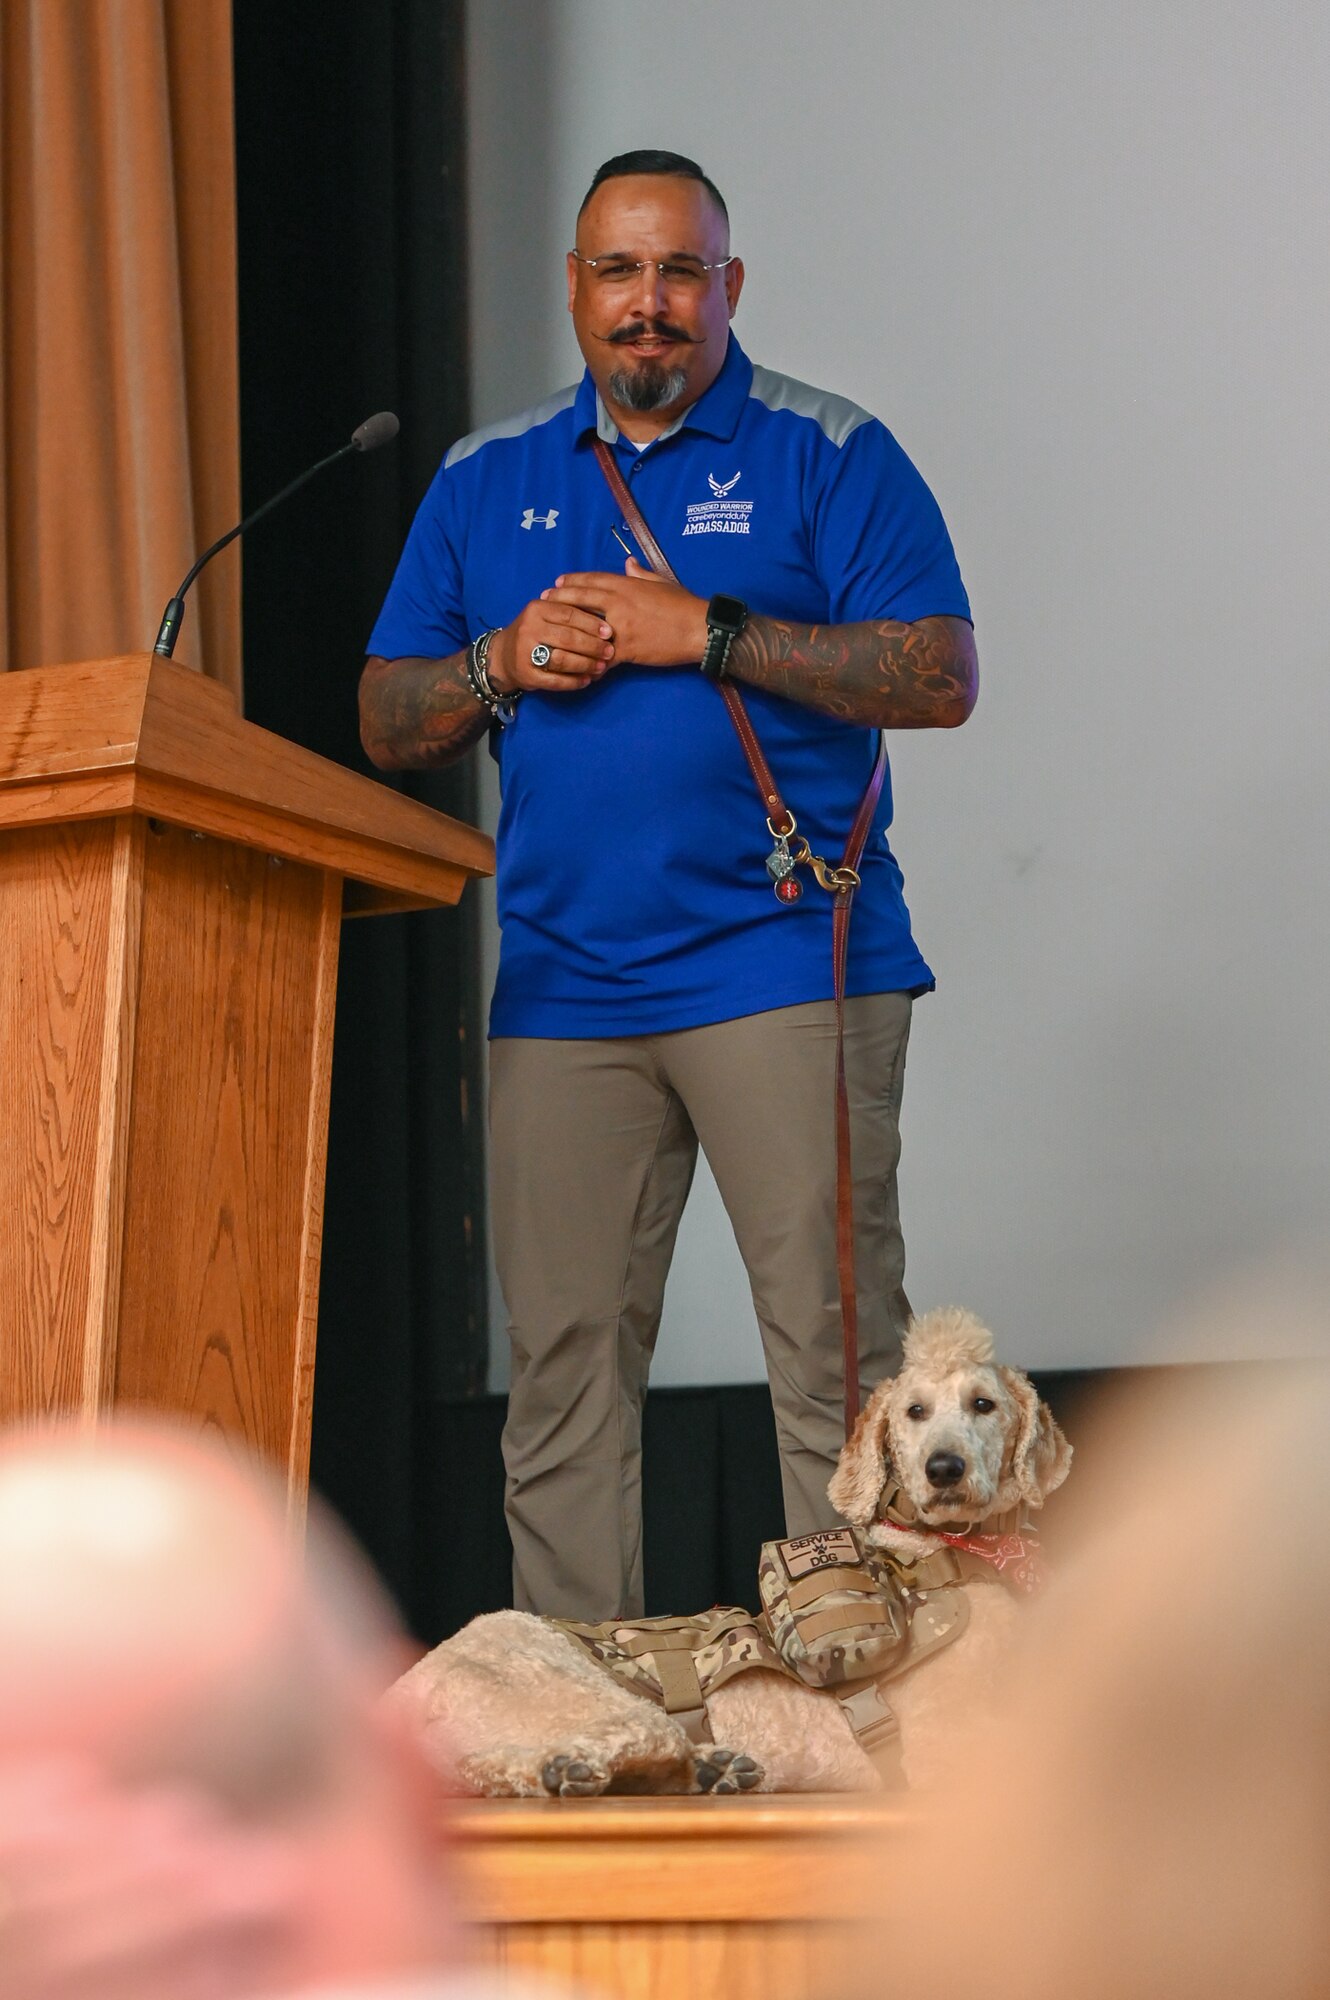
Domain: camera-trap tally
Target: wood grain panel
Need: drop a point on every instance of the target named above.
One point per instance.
(722, 1899)
(171, 888)
(425, 879)
(721, 1859)
(82, 797)
(62, 920)
(114, 1083)
(219, 1151)
(316, 1160)
(80, 718)
(704, 1877)
(666, 1961)
(382, 878)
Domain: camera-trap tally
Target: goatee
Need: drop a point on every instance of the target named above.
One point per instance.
(648, 387)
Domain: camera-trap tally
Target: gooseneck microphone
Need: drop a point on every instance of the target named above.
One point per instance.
(375, 431)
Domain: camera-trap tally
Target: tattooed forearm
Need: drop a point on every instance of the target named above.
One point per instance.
(415, 714)
(883, 675)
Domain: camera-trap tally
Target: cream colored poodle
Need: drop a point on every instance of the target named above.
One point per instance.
(512, 1706)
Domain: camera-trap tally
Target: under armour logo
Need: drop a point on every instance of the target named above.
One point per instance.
(530, 518)
(729, 486)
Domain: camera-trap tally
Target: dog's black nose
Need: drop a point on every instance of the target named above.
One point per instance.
(945, 1468)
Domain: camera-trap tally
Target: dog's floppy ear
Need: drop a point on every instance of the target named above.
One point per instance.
(1041, 1456)
(864, 1468)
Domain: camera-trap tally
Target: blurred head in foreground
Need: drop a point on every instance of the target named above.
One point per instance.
(175, 1673)
(1153, 1814)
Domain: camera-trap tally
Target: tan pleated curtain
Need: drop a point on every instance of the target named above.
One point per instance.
(119, 441)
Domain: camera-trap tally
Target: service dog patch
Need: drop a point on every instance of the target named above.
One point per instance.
(824, 1550)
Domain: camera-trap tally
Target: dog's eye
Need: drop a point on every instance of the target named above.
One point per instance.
(916, 1413)
(983, 1406)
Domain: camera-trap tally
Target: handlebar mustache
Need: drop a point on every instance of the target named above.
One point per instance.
(662, 329)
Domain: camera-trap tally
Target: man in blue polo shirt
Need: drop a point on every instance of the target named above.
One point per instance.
(653, 993)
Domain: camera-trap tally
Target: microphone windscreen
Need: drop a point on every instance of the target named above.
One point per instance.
(375, 431)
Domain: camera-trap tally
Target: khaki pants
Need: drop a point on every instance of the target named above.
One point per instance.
(592, 1149)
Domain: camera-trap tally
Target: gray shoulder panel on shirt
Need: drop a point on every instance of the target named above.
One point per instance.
(513, 427)
(835, 416)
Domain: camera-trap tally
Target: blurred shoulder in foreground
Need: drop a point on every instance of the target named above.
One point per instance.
(1150, 1814)
(201, 1792)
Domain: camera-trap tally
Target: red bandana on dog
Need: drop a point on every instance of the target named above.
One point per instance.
(1016, 1557)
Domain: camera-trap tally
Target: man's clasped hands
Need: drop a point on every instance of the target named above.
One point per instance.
(594, 620)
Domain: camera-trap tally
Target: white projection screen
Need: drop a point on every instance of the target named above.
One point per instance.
(1077, 261)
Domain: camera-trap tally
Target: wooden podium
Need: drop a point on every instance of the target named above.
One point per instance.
(756, 1898)
(172, 885)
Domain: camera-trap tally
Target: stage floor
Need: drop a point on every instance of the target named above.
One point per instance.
(756, 1898)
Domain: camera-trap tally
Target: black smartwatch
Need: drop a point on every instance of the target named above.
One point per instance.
(726, 618)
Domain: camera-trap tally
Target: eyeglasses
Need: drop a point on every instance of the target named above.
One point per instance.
(679, 273)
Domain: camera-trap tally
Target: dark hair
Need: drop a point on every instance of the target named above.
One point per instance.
(650, 160)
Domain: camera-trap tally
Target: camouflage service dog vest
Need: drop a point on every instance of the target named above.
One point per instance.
(836, 1615)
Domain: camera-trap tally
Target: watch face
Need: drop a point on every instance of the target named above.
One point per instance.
(727, 614)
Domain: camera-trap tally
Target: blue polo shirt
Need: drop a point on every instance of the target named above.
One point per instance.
(632, 895)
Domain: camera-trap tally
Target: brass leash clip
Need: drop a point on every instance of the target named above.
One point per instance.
(833, 880)
(784, 859)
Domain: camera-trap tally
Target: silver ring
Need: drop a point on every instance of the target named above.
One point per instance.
(540, 655)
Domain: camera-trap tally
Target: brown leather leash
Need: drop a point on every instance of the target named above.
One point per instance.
(840, 883)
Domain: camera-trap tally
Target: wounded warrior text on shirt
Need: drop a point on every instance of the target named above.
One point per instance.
(718, 517)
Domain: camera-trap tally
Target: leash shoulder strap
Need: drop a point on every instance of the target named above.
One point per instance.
(840, 882)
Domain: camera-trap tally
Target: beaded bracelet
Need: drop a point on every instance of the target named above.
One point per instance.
(500, 706)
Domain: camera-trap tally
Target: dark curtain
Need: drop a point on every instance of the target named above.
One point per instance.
(710, 1498)
(350, 143)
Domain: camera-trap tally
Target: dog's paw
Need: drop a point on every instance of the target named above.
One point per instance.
(718, 1770)
(573, 1778)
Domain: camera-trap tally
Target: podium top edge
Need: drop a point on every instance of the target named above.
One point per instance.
(131, 723)
(766, 1816)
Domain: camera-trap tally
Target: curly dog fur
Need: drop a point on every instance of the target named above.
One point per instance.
(513, 1707)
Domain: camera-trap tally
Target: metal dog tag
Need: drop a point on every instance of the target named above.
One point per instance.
(780, 862)
(781, 866)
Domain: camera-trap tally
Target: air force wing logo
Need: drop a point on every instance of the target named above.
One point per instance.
(720, 515)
